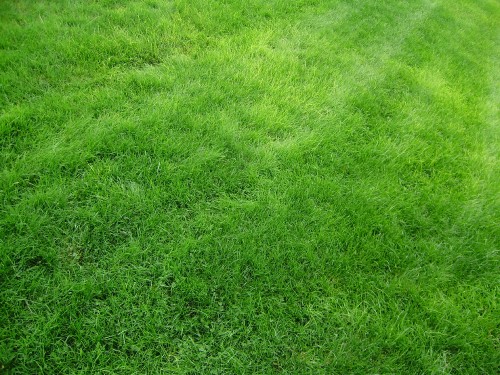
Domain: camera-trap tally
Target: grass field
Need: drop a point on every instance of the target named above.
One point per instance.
(249, 187)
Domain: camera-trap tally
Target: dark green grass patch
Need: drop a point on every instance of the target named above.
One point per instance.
(249, 187)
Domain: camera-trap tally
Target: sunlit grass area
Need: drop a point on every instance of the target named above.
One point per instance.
(249, 187)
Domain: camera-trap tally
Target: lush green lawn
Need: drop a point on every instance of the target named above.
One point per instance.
(249, 187)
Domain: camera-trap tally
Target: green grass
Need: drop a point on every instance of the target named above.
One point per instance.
(249, 187)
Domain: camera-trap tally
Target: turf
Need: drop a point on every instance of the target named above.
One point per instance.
(249, 187)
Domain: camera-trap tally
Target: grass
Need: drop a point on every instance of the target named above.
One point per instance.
(249, 187)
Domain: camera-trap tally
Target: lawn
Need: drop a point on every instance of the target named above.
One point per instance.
(249, 187)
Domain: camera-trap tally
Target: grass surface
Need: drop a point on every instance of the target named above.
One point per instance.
(249, 187)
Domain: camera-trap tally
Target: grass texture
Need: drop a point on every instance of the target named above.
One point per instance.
(249, 187)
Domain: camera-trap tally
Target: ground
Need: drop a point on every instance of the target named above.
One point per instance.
(249, 187)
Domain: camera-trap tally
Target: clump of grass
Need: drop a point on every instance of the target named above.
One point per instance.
(249, 187)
